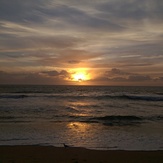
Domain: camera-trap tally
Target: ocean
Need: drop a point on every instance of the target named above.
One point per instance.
(94, 117)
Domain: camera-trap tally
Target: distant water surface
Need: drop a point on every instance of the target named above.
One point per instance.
(98, 117)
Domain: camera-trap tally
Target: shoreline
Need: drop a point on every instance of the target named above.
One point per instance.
(41, 154)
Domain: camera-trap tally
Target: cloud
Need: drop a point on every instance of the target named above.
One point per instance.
(39, 42)
(20, 11)
(159, 79)
(51, 73)
(64, 77)
(48, 77)
(126, 9)
(41, 36)
(133, 9)
(62, 74)
(117, 76)
(116, 71)
(76, 17)
(59, 59)
(139, 78)
(68, 58)
(118, 79)
(62, 14)
(73, 61)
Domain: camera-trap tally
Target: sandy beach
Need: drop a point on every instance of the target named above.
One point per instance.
(42, 154)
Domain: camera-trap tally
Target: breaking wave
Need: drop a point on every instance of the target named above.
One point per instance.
(118, 120)
(112, 120)
(134, 97)
(144, 97)
(98, 97)
(13, 96)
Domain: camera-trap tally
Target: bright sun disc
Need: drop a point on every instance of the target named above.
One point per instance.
(80, 76)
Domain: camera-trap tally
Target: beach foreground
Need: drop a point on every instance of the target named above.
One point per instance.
(41, 154)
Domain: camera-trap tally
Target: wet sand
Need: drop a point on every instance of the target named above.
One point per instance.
(48, 154)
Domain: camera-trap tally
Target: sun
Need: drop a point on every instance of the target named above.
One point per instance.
(80, 76)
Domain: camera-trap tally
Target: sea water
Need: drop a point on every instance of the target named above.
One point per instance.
(96, 117)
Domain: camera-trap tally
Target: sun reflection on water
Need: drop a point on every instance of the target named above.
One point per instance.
(80, 134)
(79, 127)
(79, 109)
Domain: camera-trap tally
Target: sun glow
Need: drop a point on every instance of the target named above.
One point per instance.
(80, 76)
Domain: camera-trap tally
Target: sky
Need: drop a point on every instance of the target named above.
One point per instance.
(90, 42)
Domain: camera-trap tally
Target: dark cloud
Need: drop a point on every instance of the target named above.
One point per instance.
(64, 77)
(116, 75)
(159, 79)
(65, 56)
(118, 79)
(40, 11)
(64, 73)
(49, 57)
(98, 35)
(20, 11)
(49, 77)
(73, 61)
(134, 9)
(54, 73)
(138, 49)
(17, 78)
(125, 9)
(139, 78)
(51, 73)
(38, 42)
(76, 17)
(116, 71)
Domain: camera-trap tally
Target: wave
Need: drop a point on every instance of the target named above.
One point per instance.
(112, 120)
(14, 119)
(155, 118)
(14, 139)
(7, 117)
(74, 96)
(144, 97)
(118, 120)
(159, 93)
(133, 97)
(72, 109)
(13, 96)
(100, 97)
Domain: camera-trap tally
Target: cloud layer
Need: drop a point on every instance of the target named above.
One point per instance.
(116, 40)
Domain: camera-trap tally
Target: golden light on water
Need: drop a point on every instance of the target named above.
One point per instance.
(78, 127)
